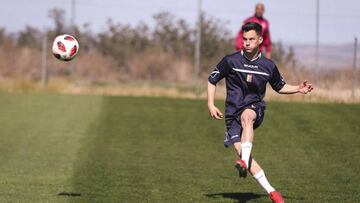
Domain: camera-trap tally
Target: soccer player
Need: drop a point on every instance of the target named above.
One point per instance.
(257, 18)
(247, 72)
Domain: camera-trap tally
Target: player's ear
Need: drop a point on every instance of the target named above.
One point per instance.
(261, 39)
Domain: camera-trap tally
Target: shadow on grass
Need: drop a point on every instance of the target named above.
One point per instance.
(70, 194)
(242, 197)
(237, 196)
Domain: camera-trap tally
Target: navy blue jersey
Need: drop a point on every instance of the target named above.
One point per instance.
(245, 81)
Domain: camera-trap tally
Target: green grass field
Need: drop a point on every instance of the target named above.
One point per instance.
(121, 149)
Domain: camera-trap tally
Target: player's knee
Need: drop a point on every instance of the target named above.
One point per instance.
(246, 119)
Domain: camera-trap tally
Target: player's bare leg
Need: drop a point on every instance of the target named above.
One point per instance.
(247, 122)
(258, 173)
(255, 167)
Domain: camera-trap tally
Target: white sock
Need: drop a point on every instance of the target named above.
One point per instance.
(245, 152)
(260, 177)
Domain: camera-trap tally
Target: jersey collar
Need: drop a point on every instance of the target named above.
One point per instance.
(254, 59)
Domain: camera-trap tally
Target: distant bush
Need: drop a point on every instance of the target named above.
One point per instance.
(125, 53)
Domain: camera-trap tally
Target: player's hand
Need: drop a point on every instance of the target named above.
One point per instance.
(215, 112)
(305, 87)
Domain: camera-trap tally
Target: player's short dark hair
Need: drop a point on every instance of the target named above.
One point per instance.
(252, 26)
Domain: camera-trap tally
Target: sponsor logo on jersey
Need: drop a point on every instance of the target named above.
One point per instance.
(250, 66)
(249, 78)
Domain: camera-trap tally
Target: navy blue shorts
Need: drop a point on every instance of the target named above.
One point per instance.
(234, 128)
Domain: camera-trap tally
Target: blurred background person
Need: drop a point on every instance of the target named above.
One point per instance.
(258, 18)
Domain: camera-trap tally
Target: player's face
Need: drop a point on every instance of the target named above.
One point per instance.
(259, 10)
(251, 41)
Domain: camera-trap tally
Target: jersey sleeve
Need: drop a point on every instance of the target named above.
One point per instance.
(221, 70)
(276, 81)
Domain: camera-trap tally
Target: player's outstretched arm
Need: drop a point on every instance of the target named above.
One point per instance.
(213, 110)
(304, 88)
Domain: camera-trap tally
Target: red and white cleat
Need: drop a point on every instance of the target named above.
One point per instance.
(276, 197)
(241, 166)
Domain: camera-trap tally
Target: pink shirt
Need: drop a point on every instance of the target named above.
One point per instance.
(265, 34)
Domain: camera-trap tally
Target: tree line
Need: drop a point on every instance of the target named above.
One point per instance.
(124, 52)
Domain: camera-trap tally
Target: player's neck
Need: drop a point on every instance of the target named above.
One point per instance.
(253, 55)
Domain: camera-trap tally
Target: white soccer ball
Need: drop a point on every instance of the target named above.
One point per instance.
(65, 47)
